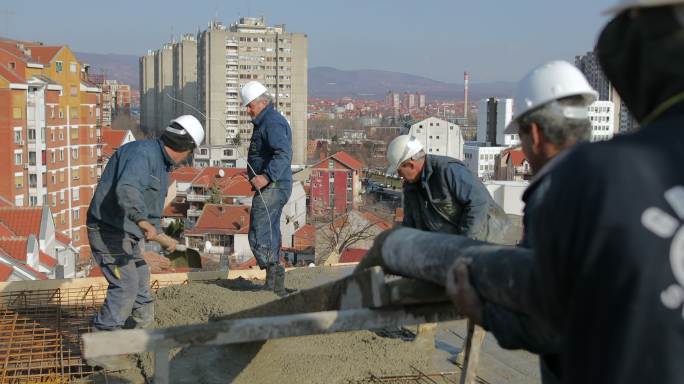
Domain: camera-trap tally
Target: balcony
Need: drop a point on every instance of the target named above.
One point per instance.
(194, 212)
(196, 198)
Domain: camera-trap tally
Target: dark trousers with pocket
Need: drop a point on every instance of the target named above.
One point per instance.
(128, 298)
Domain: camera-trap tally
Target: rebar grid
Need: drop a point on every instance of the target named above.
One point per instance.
(40, 332)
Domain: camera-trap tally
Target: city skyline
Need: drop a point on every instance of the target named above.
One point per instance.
(494, 42)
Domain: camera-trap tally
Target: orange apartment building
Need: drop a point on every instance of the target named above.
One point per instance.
(49, 132)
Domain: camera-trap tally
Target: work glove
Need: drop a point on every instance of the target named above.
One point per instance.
(374, 255)
(461, 291)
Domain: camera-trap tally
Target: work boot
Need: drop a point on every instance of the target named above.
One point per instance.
(141, 317)
(270, 278)
(279, 281)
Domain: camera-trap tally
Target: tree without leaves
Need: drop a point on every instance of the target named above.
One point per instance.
(345, 231)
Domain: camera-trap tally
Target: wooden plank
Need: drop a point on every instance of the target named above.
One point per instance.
(259, 329)
(162, 366)
(474, 339)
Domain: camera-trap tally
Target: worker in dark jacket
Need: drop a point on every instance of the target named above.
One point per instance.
(442, 195)
(606, 267)
(125, 211)
(269, 160)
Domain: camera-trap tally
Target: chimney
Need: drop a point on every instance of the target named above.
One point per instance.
(465, 96)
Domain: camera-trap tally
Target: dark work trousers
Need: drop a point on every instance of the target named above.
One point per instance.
(128, 298)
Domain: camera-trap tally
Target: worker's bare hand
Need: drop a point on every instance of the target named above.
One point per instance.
(462, 293)
(149, 230)
(259, 181)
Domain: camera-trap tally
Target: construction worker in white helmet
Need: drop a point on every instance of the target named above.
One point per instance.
(270, 160)
(606, 272)
(442, 195)
(126, 211)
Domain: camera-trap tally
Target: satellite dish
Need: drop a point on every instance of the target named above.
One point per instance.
(221, 173)
(207, 246)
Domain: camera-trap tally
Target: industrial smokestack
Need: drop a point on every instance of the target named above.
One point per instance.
(465, 96)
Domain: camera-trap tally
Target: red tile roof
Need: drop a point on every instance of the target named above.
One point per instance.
(112, 140)
(238, 185)
(221, 219)
(15, 247)
(352, 255)
(343, 158)
(5, 271)
(348, 160)
(6, 231)
(10, 75)
(46, 259)
(517, 158)
(43, 54)
(304, 238)
(210, 175)
(5, 203)
(23, 221)
(376, 220)
(185, 174)
(62, 238)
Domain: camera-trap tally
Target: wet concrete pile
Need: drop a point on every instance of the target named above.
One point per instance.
(335, 358)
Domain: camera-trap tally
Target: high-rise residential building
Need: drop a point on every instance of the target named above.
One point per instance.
(49, 127)
(207, 73)
(591, 68)
(493, 117)
(602, 115)
(116, 98)
(185, 76)
(420, 99)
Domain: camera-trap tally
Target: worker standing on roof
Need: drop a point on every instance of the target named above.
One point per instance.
(607, 269)
(442, 195)
(269, 159)
(125, 211)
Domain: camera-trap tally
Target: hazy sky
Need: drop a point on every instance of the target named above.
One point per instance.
(493, 40)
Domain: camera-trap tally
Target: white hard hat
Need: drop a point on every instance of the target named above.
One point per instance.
(626, 4)
(401, 149)
(251, 91)
(191, 125)
(549, 82)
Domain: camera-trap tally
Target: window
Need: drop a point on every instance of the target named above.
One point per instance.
(74, 174)
(16, 113)
(33, 180)
(61, 134)
(54, 200)
(53, 179)
(92, 152)
(77, 236)
(228, 152)
(19, 181)
(61, 180)
(203, 151)
(33, 201)
(61, 198)
(58, 66)
(52, 157)
(74, 153)
(52, 136)
(74, 133)
(75, 194)
(17, 137)
(73, 67)
(61, 116)
(17, 158)
(61, 155)
(32, 135)
(61, 218)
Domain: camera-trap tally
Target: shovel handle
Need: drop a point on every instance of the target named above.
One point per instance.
(168, 242)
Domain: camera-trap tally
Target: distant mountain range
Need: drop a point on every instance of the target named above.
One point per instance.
(122, 68)
(326, 82)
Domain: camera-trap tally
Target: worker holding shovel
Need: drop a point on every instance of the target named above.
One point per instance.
(124, 212)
